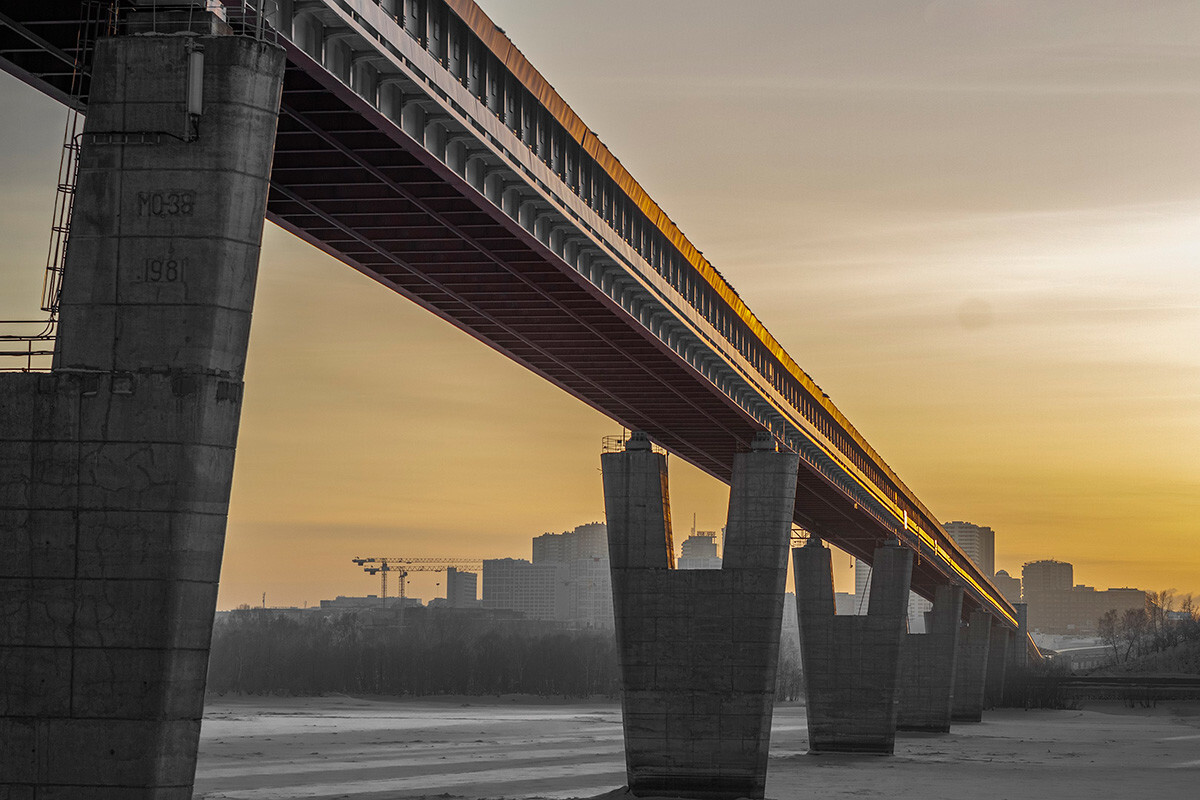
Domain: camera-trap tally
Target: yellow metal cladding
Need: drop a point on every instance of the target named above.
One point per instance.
(503, 49)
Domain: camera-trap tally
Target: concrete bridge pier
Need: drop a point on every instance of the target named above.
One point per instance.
(851, 663)
(1018, 654)
(115, 468)
(699, 649)
(927, 662)
(970, 669)
(997, 665)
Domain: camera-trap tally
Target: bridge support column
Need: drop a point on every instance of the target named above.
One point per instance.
(970, 669)
(698, 648)
(997, 665)
(1018, 654)
(115, 468)
(851, 663)
(927, 660)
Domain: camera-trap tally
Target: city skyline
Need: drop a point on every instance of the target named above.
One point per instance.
(980, 241)
(856, 581)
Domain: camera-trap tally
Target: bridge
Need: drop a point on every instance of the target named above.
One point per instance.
(417, 145)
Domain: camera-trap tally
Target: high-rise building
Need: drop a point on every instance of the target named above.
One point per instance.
(978, 542)
(1046, 589)
(588, 541)
(461, 588)
(585, 541)
(539, 591)
(862, 586)
(589, 600)
(843, 603)
(1044, 577)
(549, 547)
(582, 553)
(918, 607)
(699, 551)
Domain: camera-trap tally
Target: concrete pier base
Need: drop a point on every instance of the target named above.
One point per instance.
(115, 468)
(970, 668)
(927, 660)
(698, 648)
(997, 666)
(851, 663)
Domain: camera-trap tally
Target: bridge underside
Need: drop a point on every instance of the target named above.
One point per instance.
(377, 200)
(351, 182)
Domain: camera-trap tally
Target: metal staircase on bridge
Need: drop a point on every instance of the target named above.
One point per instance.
(36, 345)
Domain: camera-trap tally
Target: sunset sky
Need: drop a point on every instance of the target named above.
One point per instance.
(975, 223)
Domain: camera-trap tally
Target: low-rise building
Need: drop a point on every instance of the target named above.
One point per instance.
(1009, 586)
(1058, 606)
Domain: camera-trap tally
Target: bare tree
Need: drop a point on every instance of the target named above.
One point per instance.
(1110, 632)
(1134, 626)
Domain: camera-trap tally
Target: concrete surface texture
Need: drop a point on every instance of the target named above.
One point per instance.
(1018, 650)
(699, 649)
(927, 660)
(115, 467)
(970, 668)
(268, 748)
(851, 663)
(997, 665)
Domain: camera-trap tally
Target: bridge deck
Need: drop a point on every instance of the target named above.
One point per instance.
(422, 149)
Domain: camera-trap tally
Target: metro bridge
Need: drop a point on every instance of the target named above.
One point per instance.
(417, 145)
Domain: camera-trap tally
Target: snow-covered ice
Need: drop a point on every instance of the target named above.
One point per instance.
(371, 749)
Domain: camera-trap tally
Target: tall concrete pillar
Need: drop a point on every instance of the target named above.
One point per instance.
(851, 663)
(1018, 654)
(997, 666)
(115, 468)
(926, 687)
(970, 668)
(698, 648)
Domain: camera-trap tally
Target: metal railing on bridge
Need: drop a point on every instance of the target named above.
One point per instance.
(28, 351)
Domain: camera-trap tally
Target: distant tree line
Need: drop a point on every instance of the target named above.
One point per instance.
(435, 652)
(789, 683)
(257, 652)
(1167, 621)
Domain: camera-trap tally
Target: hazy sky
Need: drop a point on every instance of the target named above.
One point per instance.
(976, 224)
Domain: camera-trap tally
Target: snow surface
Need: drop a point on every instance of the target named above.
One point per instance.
(371, 749)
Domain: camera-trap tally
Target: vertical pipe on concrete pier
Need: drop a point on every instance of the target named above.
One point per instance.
(699, 649)
(851, 663)
(115, 468)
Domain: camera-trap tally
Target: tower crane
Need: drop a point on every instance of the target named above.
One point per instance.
(402, 566)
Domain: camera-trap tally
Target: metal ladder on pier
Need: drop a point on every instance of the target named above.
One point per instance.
(33, 342)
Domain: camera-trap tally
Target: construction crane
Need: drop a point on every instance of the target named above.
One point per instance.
(402, 566)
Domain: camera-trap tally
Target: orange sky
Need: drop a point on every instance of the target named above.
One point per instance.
(976, 224)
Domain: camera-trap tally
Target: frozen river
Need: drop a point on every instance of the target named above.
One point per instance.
(338, 747)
